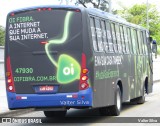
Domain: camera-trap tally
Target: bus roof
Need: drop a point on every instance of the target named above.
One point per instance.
(46, 6)
(115, 18)
(92, 11)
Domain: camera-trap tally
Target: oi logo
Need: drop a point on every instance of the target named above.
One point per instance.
(68, 69)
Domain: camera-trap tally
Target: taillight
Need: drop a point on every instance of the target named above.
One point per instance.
(84, 71)
(84, 78)
(10, 82)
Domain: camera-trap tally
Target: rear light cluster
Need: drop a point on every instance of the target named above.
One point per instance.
(84, 71)
(10, 82)
(44, 9)
(12, 14)
(50, 9)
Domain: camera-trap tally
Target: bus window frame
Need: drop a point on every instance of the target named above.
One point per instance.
(145, 42)
(104, 33)
(130, 40)
(122, 40)
(93, 42)
(126, 40)
(139, 43)
(100, 37)
(113, 31)
(118, 38)
(109, 34)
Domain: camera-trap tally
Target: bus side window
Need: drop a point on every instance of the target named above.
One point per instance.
(104, 36)
(109, 36)
(126, 39)
(145, 42)
(99, 35)
(118, 37)
(130, 40)
(114, 37)
(133, 40)
(139, 42)
(93, 34)
(122, 39)
(136, 41)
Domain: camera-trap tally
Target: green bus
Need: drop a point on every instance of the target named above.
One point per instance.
(62, 57)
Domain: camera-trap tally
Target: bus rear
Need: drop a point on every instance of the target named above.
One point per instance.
(44, 61)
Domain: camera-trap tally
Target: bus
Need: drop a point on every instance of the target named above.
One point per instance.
(62, 57)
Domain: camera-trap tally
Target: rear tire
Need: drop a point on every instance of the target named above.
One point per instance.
(55, 113)
(115, 109)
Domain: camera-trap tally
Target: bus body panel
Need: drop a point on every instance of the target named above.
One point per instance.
(47, 70)
(132, 70)
(77, 99)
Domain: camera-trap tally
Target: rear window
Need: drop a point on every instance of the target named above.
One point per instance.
(34, 26)
(39, 42)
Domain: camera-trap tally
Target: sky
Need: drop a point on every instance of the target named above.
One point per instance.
(7, 6)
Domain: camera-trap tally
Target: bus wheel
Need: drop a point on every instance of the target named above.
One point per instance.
(115, 109)
(55, 113)
(141, 99)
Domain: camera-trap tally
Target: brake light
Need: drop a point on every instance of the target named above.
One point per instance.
(44, 9)
(39, 9)
(12, 14)
(77, 10)
(43, 43)
(84, 71)
(49, 9)
(10, 82)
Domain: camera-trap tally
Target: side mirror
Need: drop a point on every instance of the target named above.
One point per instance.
(154, 47)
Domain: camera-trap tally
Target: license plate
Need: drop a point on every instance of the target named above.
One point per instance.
(46, 88)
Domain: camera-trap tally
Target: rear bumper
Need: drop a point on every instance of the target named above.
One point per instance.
(71, 100)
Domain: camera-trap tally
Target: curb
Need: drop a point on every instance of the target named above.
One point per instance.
(12, 113)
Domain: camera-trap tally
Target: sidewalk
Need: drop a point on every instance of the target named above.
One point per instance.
(3, 99)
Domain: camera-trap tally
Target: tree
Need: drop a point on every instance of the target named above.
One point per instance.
(100, 4)
(2, 36)
(137, 15)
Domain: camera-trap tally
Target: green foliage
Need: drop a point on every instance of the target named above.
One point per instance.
(2, 36)
(100, 4)
(137, 15)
